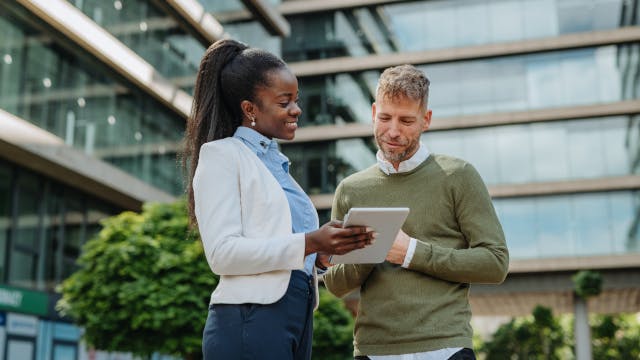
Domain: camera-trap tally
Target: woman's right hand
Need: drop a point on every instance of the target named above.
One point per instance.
(332, 238)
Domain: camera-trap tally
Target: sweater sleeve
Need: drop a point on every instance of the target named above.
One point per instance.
(342, 279)
(216, 186)
(486, 259)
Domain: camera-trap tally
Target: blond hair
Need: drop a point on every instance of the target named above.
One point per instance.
(404, 81)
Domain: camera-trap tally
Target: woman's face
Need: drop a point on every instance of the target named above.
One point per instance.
(276, 107)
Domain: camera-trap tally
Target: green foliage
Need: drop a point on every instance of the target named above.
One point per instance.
(616, 337)
(143, 285)
(587, 283)
(332, 329)
(538, 337)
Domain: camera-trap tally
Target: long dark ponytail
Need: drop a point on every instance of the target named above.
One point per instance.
(229, 73)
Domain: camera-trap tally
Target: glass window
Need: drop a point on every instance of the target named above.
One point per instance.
(6, 175)
(74, 233)
(65, 351)
(570, 225)
(54, 235)
(150, 32)
(78, 100)
(50, 227)
(518, 223)
(319, 167)
(549, 151)
(442, 24)
(19, 348)
(508, 154)
(26, 235)
(526, 82)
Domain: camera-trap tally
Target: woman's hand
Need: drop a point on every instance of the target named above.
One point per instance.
(332, 238)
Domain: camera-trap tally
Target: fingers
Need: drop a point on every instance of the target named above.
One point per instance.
(348, 247)
(335, 223)
(351, 243)
(355, 230)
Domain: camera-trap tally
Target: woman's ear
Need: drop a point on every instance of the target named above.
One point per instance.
(247, 110)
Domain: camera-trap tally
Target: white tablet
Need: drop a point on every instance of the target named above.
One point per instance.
(385, 221)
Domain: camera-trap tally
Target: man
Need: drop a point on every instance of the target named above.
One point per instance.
(416, 302)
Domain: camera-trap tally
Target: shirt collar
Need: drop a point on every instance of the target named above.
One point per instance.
(411, 163)
(256, 141)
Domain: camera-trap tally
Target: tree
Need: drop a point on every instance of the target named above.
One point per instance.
(332, 329)
(616, 337)
(143, 285)
(538, 337)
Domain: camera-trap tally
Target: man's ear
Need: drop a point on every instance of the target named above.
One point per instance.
(373, 112)
(427, 120)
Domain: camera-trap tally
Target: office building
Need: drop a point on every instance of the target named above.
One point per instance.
(541, 96)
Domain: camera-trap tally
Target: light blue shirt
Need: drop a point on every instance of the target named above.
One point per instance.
(304, 217)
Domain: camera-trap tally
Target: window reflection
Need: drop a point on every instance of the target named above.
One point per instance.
(149, 31)
(431, 25)
(509, 154)
(536, 81)
(41, 241)
(6, 195)
(570, 225)
(553, 151)
(80, 103)
(337, 99)
(319, 167)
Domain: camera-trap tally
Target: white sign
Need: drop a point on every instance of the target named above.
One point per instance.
(10, 298)
(18, 324)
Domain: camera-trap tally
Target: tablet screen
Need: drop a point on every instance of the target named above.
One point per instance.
(385, 221)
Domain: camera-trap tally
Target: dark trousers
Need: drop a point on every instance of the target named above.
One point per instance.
(464, 354)
(282, 330)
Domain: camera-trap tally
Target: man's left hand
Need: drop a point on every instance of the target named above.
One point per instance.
(399, 249)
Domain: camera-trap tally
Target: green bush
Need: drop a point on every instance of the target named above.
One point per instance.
(143, 284)
(332, 329)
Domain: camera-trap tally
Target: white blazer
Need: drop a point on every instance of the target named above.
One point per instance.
(245, 225)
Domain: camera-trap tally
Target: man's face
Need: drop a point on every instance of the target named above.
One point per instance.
(397, 126)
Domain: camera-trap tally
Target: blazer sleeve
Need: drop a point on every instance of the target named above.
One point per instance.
(216, 186)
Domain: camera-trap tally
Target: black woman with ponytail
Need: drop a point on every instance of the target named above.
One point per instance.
(259, 229)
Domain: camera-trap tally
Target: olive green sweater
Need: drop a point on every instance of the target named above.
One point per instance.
(460, 241)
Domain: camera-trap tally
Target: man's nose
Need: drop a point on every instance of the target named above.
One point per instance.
(394, 129)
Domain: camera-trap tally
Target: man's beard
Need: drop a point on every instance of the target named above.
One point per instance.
(397, 157)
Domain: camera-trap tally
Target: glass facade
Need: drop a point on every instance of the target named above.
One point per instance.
(148, 31)
(431, 25)
(82, 102)
(526, 82)
(590, 224)
(511, 154)
(538, 152)
(43, 225)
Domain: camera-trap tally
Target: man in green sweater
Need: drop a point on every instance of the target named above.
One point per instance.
(416, 302)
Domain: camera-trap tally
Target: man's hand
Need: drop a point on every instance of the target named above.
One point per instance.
(399, 249)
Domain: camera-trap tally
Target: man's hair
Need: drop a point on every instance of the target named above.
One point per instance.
(404, 81)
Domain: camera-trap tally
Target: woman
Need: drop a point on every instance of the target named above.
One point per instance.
(259, 229)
